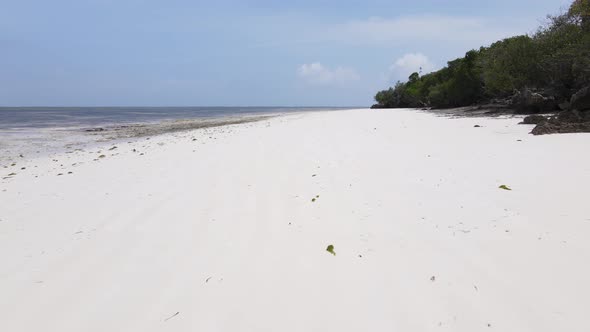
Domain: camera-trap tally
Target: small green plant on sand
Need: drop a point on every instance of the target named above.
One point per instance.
(505, 187)
(330, 249)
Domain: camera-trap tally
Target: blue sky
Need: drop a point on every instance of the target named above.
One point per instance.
(230, 53)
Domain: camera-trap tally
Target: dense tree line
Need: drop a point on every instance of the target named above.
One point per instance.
(554, 60)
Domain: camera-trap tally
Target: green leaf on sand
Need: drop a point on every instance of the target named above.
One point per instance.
(330, 249)
(505, 187)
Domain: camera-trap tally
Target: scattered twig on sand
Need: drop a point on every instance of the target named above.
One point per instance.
(176, 314)
(207, 280)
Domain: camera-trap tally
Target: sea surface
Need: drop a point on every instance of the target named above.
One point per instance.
(15, 118)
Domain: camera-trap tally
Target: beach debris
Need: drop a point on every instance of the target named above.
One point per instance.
(504, 187)
(102, 156)
(60, 174)
(477, 126)
(330, 249)
(176, 314)
(433, 278)
(12, 174)
(313, 176)
(207, 280)
(113, 148)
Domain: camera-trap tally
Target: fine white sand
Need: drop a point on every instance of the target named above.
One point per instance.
(215, 229)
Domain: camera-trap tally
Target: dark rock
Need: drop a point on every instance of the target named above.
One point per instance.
(571, 116)
(581, 100)
(534, 119)
(564, 106)
(555, 127)
(501, 102)
(529, 102)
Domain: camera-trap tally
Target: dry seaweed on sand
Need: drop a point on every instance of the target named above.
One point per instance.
(330, 249)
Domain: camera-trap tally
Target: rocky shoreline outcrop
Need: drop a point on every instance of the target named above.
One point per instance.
(570, 117)
(551, 112)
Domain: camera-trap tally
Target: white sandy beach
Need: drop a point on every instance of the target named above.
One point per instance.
(215, 229)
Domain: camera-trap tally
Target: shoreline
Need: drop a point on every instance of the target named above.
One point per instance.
(45, 130)
(38, 142)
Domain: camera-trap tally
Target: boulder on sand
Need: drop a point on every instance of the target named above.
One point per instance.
(569, 116)
(534, 119)
(554, 127)
(571, 121)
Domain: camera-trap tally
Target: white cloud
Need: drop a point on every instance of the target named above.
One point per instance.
(408, 64)
(316, 73)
